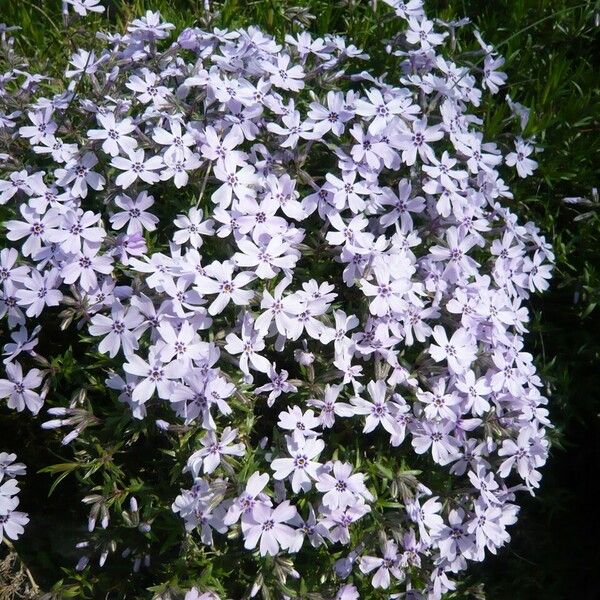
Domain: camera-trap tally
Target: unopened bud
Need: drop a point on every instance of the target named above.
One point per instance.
(70, 437)
(82, 563)
(54, 423)
(103, 558)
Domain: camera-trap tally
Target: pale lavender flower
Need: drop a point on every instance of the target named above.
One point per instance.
(486, 484)
(330, 407)
(266, 258)
(83, 266)
(388, 293)
(18, 181)
(343, 324)
(77, 228)
(218, 279)
(403, 204)
(386, 566)
(487, 527)
(40, 291)
(274, 310)
(347, 592)
(278, 385)
(524, 455)
(57, 148)
(454, 540)
(383, 110)
(294, 129)
(537, 273)
(9, 467)
(41, 128)
(148, 89)
(301, 424)
(301, 464)
(215, 148)
(115, 135)
(440, 405)
(196, 510)
(84, 62)
(118, 329)
(78, 175)
(150, 27)
(137, 167)
(251, 500)
(405, 10)
(177, 141)
(12, 522)
(181, 344)
(22, 341)
(19, 388)
(154, 376)
(339, 520)
(284, 76)
(35, 227)
(236, 182)
(458, 351)
(417, 142)
(209, 457)
(331, 117)
(519, 158)
(268, 529)
(340, 489)
(375, 150)
(438, 438)
(492, 78)
(347, 192)
(82, 7)
(134, 213)
(248, 346)
(380, 411)
(194, 594)
(476, 391)
(192, 227)
(426, 516)
(421, 32)
(9, 272)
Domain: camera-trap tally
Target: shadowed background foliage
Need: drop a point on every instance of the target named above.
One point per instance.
(552, 50)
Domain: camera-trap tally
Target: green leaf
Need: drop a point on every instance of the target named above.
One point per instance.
(385, 471)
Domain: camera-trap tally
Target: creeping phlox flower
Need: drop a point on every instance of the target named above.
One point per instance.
(82, 7)
(240, 236)
(11, 520)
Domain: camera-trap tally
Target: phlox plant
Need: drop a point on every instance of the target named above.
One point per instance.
(294, 296)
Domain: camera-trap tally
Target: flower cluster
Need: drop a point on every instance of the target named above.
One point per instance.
(11, 520)
(315, 267)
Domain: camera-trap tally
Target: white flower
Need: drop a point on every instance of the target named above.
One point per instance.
(18, 389)
(114, 134)
(300, 465)
(81, 7)
(209, 457)
(136, 167)
(134, 213)
(269, 526)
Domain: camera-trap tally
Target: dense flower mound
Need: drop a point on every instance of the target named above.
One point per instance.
(315, 266)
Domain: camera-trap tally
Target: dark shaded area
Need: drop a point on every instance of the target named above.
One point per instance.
(554, 552)
(553, 69)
